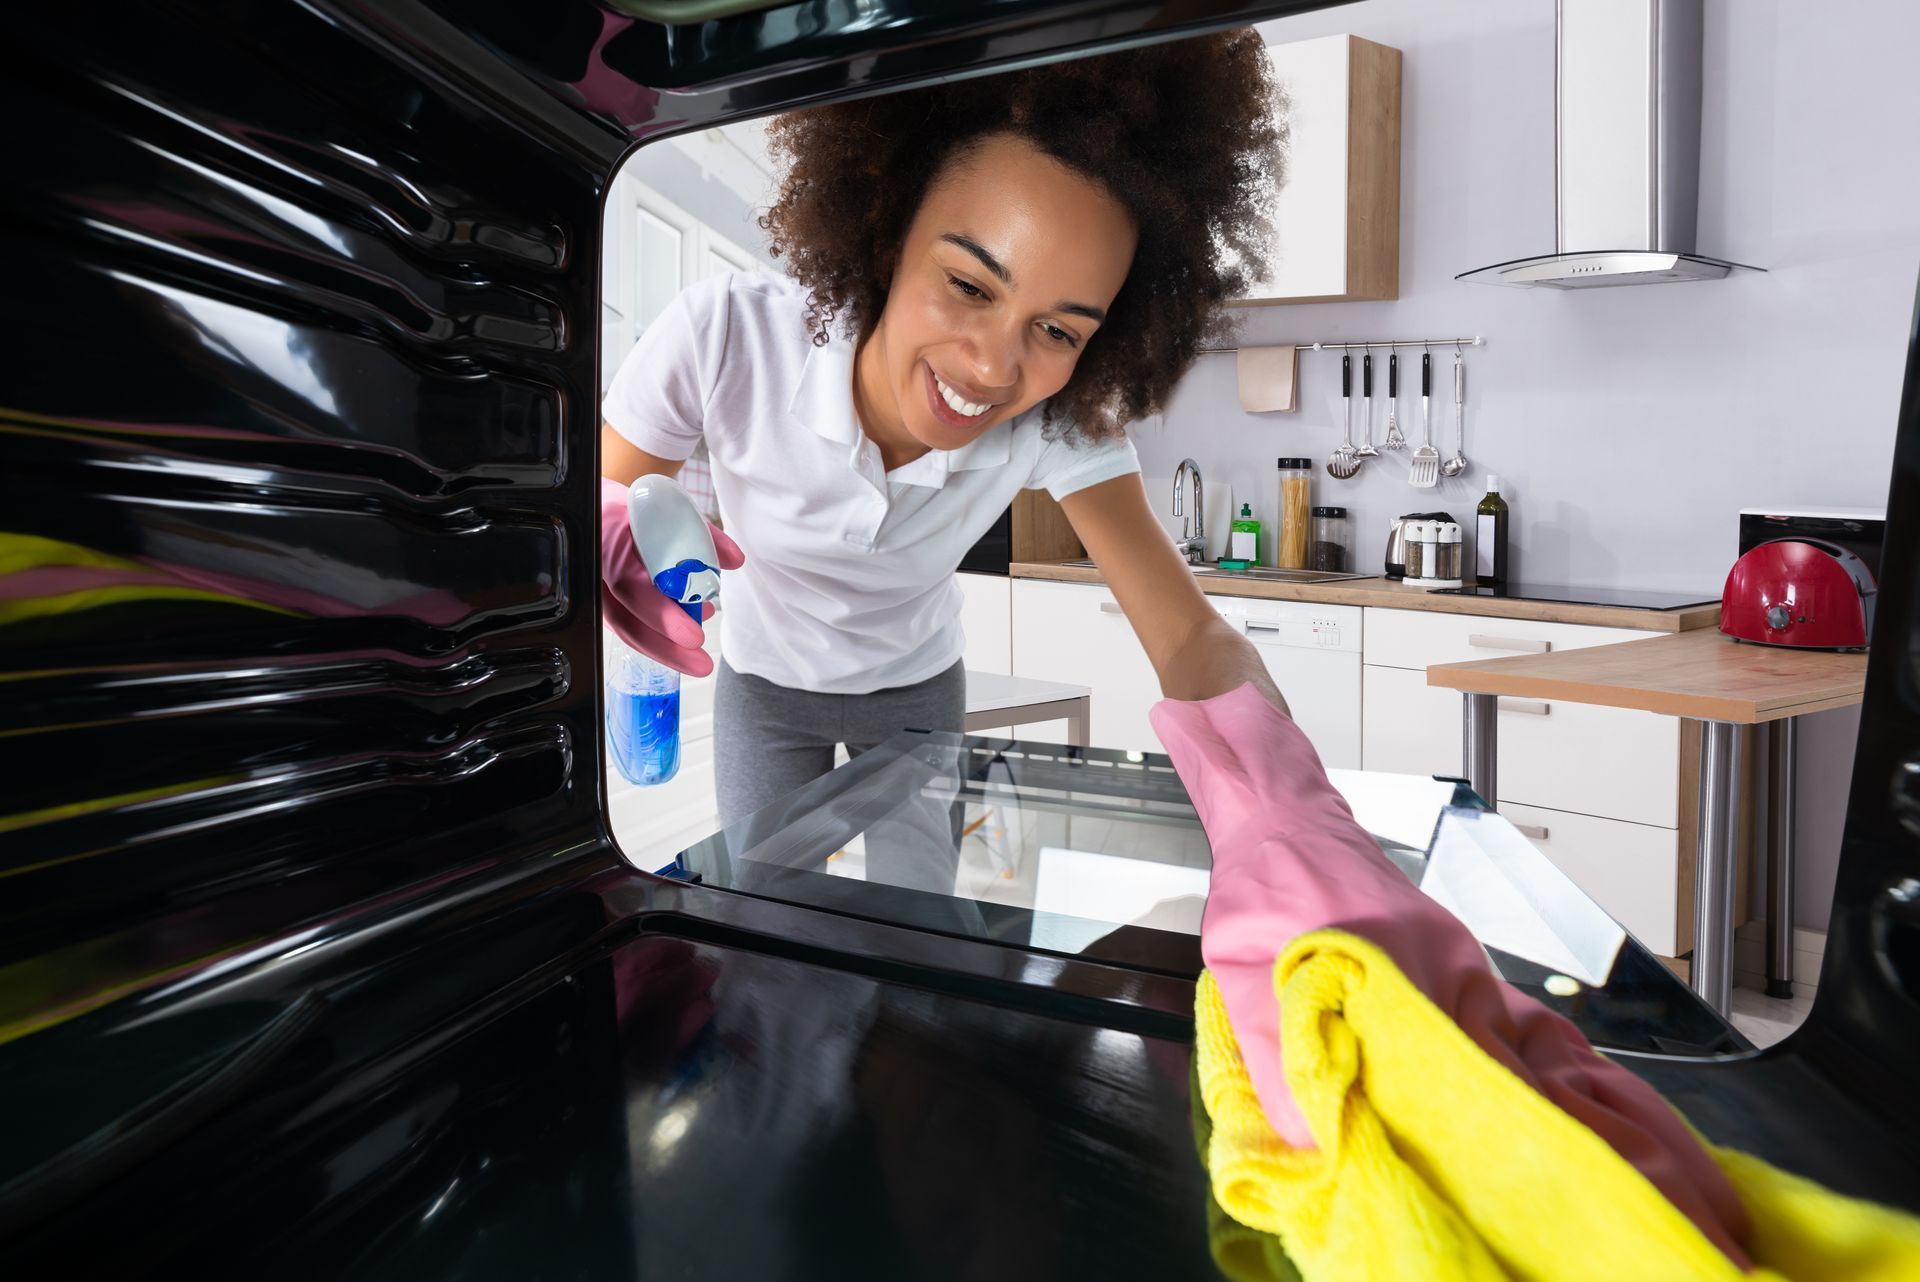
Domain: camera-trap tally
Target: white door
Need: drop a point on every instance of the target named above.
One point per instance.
(652, 250)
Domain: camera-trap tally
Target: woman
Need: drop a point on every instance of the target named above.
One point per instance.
(990, 279)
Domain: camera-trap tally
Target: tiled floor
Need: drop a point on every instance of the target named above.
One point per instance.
(1765, 1020)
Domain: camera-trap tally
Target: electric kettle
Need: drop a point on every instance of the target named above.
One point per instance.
(1397, 540)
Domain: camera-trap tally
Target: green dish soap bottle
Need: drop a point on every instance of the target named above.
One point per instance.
(1243, 538)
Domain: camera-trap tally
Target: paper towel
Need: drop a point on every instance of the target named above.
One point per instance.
(1267, 378)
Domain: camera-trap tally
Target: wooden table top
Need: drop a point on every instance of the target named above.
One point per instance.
(1700, 674)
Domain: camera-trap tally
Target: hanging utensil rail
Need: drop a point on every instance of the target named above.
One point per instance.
(1475, 341)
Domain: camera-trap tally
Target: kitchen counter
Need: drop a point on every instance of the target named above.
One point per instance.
(1387, 593)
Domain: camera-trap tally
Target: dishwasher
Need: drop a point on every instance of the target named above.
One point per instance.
(1313, 654)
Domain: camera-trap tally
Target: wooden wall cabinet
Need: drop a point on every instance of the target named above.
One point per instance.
(1337, 225)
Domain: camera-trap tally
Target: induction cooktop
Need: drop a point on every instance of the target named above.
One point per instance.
(1585, 596)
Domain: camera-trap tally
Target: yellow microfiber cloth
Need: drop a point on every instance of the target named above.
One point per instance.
(1435, 1162)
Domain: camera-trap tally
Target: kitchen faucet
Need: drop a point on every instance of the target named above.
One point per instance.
(1194, 545)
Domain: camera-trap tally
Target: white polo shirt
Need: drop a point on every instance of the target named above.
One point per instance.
(848, 586)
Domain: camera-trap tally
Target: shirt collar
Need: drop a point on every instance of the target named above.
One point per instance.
(824, 399)
(824, 402)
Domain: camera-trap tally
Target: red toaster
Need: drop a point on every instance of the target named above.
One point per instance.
(1799, 592)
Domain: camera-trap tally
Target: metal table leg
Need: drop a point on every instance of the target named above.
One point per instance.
(1478, 746)
(1781, 774)
(1714, 863)
(1080, 723)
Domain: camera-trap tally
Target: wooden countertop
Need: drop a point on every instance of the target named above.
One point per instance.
(1699, 674)
(1382, 592)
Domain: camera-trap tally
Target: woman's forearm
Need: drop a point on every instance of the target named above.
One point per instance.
(1214, 660)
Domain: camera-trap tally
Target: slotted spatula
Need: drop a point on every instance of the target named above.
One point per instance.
(1395, 441)
(1425, 472)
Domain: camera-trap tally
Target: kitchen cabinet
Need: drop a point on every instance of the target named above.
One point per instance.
(1075, 632)
(1336, 232)
(1420, 638)
(1606, 784)
(1626, 868)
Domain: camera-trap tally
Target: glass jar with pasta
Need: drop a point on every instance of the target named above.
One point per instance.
(1296, 513)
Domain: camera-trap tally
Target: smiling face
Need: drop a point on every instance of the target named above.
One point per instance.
(1005, 275)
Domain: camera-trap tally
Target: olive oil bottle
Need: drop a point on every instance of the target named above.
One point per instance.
(1490, 536)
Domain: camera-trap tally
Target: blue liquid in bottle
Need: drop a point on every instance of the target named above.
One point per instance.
(643, 716)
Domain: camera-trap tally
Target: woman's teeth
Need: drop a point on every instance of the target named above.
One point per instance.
(967, 409)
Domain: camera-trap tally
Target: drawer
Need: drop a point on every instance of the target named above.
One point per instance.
(1613, 763)
(1419, 638)
(1631, 870)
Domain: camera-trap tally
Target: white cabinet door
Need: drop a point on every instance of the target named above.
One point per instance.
(1309, 251)
(1629, 869)
(1075, 632)
(986, 617)
(1407, 726)
(1336, 225)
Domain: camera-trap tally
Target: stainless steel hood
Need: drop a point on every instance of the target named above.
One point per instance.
(1626, 150)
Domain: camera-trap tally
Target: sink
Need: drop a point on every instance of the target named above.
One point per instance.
(1259, 573)
(1267, 574)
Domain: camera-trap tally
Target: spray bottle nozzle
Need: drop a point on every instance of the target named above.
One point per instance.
(692, 583)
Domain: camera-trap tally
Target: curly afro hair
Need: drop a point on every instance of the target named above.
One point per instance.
(1188, 136)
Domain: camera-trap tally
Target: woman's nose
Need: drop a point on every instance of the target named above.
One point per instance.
(993, 359)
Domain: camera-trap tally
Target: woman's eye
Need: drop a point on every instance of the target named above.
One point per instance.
(1059, 335)
(966, 287)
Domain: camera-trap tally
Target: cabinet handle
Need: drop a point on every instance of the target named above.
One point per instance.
(1263, 627)
(1519, 645)
(1535, 832)
(1111, 607)
(1532, 707)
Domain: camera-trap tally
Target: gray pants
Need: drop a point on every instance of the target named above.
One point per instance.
(769, 740)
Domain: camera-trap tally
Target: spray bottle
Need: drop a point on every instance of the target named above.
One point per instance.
(643, 694)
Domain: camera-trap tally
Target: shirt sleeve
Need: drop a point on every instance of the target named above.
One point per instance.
(658, 400)
(1068, 464)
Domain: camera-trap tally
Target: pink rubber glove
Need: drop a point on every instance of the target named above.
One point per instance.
(639, 613)
(1288, 858)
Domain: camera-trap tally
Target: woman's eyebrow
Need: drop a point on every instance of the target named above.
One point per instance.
(979, 251)
(994, 265)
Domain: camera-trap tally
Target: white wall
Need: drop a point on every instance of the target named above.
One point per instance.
(1628, 425)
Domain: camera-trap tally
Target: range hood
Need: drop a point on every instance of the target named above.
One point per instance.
(1626, 150)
